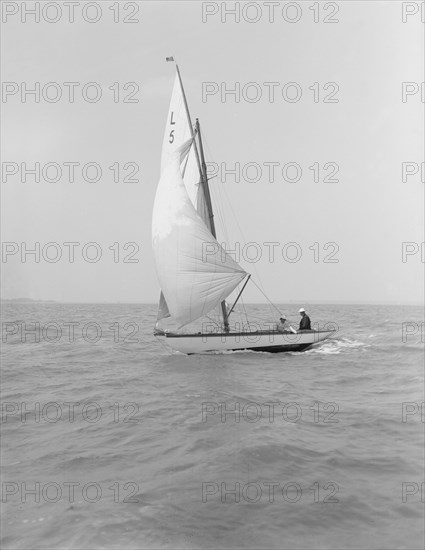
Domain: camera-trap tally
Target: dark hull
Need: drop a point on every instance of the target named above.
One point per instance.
(281, 349)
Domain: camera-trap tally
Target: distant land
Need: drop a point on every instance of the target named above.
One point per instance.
(26, 300)
(286, 302)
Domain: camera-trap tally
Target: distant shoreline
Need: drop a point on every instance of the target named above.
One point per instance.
(305, 303)
(29, 300)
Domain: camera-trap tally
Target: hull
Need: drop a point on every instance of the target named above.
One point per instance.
(269, 341)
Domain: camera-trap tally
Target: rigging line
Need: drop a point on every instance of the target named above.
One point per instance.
(265, 296)
(218, 195)
(222, 191)
(157, 338)
(243, 236)
(242, 310)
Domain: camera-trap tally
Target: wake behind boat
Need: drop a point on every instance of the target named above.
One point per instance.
(195, 272)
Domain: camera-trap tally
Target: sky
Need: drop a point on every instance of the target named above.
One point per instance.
(337, 125)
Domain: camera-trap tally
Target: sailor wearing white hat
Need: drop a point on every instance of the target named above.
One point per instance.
(305, 323)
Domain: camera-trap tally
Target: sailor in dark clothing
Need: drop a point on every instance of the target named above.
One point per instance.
(305, 323)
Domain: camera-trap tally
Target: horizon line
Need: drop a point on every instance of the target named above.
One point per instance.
(291, 302)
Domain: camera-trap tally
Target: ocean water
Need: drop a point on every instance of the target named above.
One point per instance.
(111, 441)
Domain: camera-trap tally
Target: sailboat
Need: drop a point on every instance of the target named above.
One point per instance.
(195, 272)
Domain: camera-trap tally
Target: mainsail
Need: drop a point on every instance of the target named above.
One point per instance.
(178, 130)
(194, 271)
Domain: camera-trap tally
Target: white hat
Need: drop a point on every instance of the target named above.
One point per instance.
(302, 310)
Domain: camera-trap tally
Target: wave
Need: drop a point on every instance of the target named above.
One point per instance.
(335, 346)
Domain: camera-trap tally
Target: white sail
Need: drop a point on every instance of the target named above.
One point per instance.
(177, 131)
(194, 271)
(163, 310)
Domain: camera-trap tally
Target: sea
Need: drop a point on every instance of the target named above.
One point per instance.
(112, 441)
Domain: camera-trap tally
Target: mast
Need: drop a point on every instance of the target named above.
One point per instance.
(200, 159)
(189, 120)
